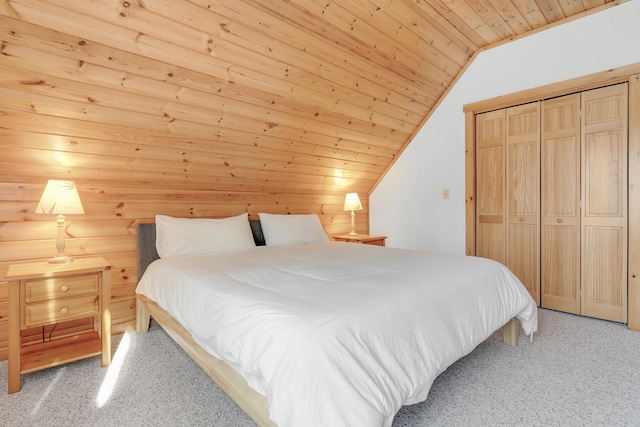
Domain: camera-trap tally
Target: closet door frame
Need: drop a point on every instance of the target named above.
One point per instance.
(630, 74)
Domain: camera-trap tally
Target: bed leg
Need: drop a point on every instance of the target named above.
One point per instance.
(510, 332)
(142, 316)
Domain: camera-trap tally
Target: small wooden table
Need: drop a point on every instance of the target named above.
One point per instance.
(40, 294)
(361, 238)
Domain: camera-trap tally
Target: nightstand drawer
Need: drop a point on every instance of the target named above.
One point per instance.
(60, 287)
(60, 309)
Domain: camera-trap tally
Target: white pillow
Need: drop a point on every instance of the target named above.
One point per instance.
(185, 236)
(292, 229)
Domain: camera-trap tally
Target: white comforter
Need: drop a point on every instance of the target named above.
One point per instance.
(338, 334)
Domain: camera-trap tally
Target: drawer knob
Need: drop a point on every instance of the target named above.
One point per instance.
(64, 288)
(559, 220)
(521, 219)
(64, 310)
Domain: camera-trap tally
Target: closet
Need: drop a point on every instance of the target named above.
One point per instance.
(551, 198)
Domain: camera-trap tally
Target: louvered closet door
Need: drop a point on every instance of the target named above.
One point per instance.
(523, 195)
(490, 167)
(604, 197)
(560, 200)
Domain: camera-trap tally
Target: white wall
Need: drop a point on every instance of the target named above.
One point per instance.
(407, 206)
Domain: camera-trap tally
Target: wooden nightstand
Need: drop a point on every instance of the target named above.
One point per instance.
(42, 294)
(360, 238)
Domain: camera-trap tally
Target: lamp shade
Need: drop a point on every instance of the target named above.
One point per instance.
(60, 198)
(352, 202)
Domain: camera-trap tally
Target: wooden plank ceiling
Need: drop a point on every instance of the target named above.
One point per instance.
(282, 96)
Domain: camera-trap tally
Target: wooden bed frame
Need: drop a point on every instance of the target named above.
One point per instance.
(252, 402)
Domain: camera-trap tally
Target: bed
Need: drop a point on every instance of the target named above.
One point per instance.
(322, 333)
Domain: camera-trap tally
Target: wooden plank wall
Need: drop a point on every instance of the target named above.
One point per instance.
(141, 136)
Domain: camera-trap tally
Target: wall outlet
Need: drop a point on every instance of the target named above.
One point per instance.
(445, 193)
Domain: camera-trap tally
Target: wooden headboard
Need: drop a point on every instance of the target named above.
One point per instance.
(146, 243)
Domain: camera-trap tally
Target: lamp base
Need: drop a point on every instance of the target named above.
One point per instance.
(60, 259)
(353, 224)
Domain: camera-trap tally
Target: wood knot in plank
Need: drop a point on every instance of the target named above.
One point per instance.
(33, 82)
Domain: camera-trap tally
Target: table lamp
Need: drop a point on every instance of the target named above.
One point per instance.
(352, 203)
(60, 198)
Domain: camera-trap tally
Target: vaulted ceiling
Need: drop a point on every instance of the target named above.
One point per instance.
(282, 95)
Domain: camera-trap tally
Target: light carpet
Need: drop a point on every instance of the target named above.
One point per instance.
(577, 372)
